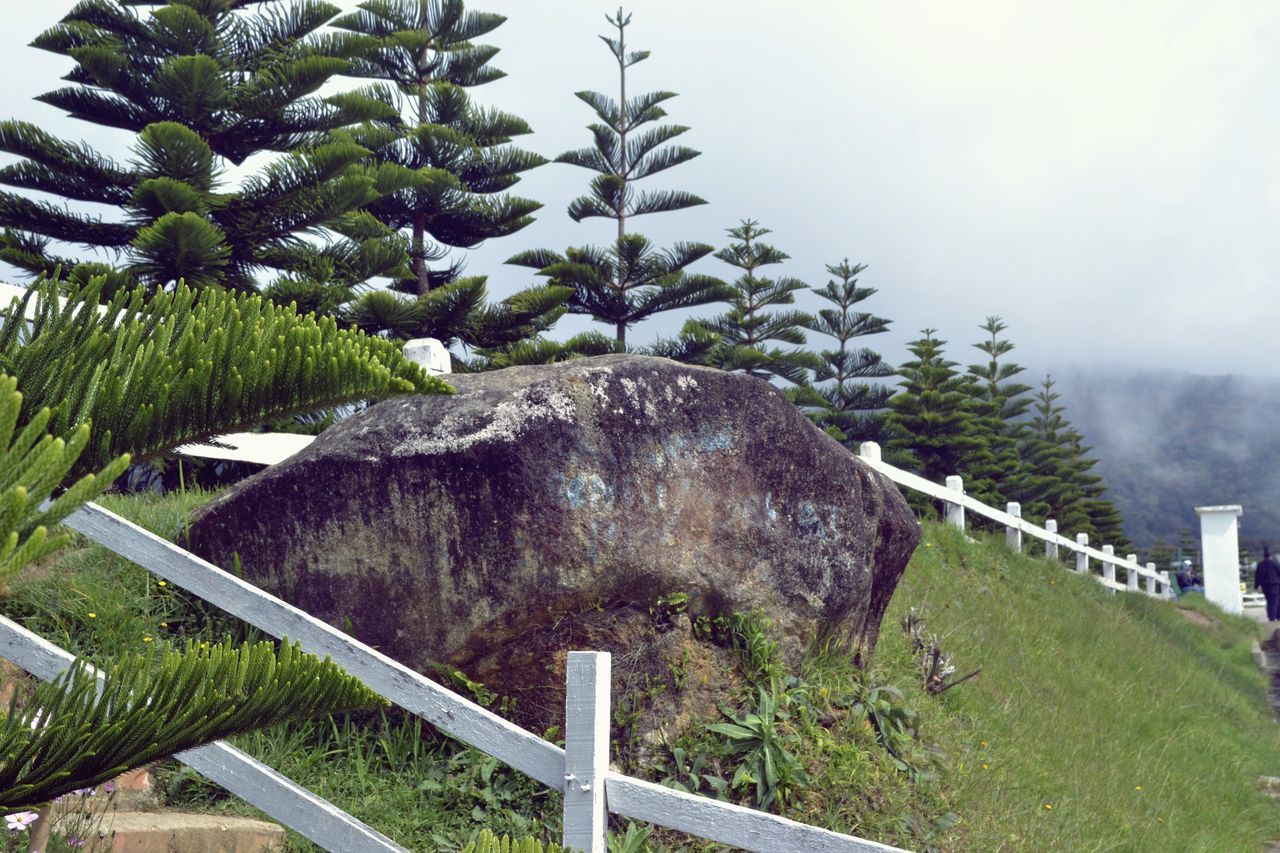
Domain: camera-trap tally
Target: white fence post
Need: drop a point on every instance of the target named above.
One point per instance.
(1131, 574)
(955, 511)
(1220, 555)
(1050, 545)
(1109, 568)
(1167, 592)
(1082, 559)
(1013, 535)
(586, 751)
(869, 450)
(1151, 580)
(429, 354)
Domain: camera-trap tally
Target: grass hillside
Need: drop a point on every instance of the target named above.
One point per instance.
(1098, 721)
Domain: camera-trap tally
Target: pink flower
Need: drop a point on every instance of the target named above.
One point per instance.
(109, 787)
(19, 821)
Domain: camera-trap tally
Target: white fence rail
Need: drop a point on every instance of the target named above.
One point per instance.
(580, 772)
(957, 502)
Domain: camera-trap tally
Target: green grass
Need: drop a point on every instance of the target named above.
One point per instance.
(1098, 722)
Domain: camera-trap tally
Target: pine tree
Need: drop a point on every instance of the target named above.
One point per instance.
(850, 407)
(466, 162)
(1000, 405)
(1060, 473)
(931, 421)
(202, 85)
(86, 389)
(631, 280)
(749, 329)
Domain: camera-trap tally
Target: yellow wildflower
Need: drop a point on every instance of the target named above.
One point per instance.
(93, 615)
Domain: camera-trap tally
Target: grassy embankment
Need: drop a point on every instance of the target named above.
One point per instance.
(1098, 722)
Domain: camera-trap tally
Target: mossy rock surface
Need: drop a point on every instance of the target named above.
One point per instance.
(485, 528)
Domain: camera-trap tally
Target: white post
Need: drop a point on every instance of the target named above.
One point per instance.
(955, 511)
(1082, 559)
(1151, 582)
(1130, 574)
(1051, 545)
(1220, 552)
(1168, 587)
(586, 751)
(1013, 535)
(1109, 568)
(869, 451)
(429, 354)
(1151, 567)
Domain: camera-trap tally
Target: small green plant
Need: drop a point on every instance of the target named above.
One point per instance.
(487, 842)
(634, 840)
(897, 727)
(694, 772)
(765, 742)
(759, 655)
(667, 608)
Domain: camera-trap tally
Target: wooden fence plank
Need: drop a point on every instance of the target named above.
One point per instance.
(411, 690)
(257, 784)
(725, 822)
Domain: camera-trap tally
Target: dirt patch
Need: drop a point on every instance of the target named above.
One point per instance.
(1195, 617)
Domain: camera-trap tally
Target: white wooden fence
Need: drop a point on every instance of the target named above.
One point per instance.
(957, 502)
(580, 771)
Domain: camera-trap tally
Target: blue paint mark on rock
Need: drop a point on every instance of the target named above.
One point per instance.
(588, 490)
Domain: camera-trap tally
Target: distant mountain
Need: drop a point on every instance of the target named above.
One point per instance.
(1169, 441)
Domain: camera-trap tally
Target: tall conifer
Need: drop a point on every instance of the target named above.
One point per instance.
(1000, 405)
(464, 158)
(632, 279)
(851, 404)
(931, 420)
(202, 85)
(750, 330)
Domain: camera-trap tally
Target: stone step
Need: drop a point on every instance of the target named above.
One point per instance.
(165, 832)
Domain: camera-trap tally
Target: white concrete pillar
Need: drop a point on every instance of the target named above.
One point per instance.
(1220, 550)
(1167, 592)
(1151, 567)
(1151, 585)
(955, 511)
(429, 354)
(1108, 567)
(1131, 576)
(870, 451)
(1013, 535)
(1082, 559)
(1051, 546)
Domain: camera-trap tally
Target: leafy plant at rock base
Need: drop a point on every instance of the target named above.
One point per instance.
(490, 843)
(765, 743)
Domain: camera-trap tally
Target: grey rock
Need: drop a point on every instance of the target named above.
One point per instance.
(449, 528)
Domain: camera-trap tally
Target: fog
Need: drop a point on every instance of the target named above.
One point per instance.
(1104, 176)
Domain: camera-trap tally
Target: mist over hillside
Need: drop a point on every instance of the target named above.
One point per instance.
(1168, 441)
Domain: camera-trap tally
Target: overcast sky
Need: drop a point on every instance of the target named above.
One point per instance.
(1105, 176)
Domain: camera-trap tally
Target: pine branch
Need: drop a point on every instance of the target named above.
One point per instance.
(72, 734)
(155, 374)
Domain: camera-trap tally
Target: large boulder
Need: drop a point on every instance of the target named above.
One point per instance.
(547, 507)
